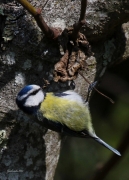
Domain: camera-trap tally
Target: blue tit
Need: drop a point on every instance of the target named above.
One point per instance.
(64, 112)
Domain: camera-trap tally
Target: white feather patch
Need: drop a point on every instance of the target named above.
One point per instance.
(34, 100)
(73, 96)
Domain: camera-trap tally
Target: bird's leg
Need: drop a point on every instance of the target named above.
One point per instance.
(91, 87)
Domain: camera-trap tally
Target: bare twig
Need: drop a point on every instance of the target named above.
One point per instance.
(102, 173)
(83, 10)
(97, 89)
(81, 22)
(52, 33)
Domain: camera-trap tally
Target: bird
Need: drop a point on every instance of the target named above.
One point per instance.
(65, 112)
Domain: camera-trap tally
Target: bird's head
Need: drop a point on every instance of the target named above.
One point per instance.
(30, 98)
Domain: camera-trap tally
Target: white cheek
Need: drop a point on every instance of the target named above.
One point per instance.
(31, 102)
(34, 100)
(40, 96)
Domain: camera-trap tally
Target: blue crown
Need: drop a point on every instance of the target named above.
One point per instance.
(25, 90)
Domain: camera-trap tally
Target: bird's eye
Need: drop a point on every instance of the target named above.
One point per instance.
(34, 92)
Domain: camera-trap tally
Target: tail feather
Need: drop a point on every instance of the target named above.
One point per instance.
(106, 145)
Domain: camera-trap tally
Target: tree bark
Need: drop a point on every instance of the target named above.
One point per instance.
(29, 151)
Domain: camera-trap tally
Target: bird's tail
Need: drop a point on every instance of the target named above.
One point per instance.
(106, 145)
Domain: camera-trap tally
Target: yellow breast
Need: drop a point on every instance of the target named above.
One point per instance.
(74, 115)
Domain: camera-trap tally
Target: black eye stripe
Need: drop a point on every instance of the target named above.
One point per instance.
(34, 92)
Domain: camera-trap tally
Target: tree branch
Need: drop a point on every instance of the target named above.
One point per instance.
(51, 33)
(81, 22)
(83, 10)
